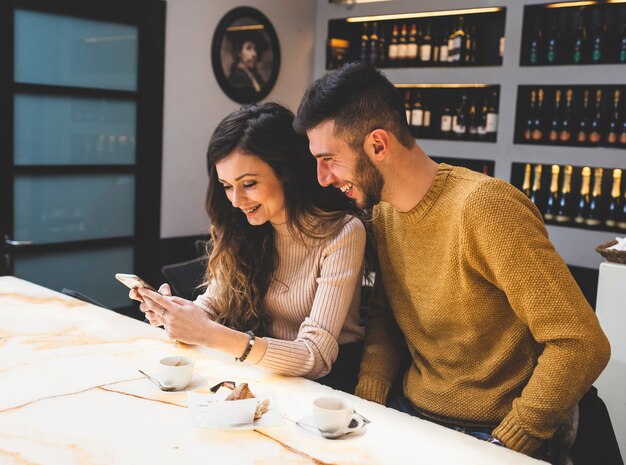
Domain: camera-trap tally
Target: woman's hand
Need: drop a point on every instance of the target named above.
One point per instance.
(182, 319)
(152, 316)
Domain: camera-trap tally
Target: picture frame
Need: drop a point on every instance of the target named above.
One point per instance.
(245, 54)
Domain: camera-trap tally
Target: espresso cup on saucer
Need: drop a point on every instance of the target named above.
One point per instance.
(176, 371)
(333, 415)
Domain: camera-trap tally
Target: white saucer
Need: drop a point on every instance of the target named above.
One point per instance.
(306, 426)
(197, 382)
(202, 418)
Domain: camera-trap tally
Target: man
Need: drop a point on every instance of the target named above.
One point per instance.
(502, 342)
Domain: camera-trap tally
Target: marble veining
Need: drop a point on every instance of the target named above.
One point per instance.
(70, 393)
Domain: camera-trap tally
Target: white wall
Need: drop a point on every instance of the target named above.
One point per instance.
(194, 102)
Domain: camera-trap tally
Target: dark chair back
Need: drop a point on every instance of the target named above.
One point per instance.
(185, 277)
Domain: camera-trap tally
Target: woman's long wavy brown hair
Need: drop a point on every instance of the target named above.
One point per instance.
(244, 257)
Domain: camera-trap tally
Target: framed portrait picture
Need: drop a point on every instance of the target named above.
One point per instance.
(245, 55)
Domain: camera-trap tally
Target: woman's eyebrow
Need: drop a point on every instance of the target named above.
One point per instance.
(239, 177)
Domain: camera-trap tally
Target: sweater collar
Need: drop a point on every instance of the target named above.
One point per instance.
(422, 207)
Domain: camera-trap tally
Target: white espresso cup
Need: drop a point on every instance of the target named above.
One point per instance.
(332, 415)
(176, 371)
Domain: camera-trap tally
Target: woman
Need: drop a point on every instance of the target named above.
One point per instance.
(284, 274)
(247, 52)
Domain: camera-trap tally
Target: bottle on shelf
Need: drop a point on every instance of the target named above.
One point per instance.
(426, 129)
(492, 116)
(552, 41)
(580, 39)
(582, 133)
(402, 47)
(557, 115)
(528, 130)
(526, 183)
(613, 127)
(446, 121)
(595, 125)
(407, 107)
(426, 46)
(364, 52)
(538, 123)
(594, 213)
(597, 41)
(535, 193)
(411, 47)
(482, 118)
(621, 57)
(535, 44)
(417, 116)
(435, 49)
(472, 120)
(563, 213)
(615, 207)
(622, 136)
(382, 48)
(583, 200)
(459, 122)
(621, 217)
(444, 48)
(459, 43)
(373, 46)
(553, 196)
(565, 134)
(452, 44)
(470, 45)
(501, 45)
(392, 51)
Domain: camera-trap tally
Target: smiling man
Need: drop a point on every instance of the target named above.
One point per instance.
(502, 343)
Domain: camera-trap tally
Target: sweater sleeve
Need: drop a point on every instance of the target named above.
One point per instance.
(204, 301)
(316, 346)
(507, 243)
(383, 348)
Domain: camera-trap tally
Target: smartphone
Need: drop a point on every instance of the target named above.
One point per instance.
(133, 281)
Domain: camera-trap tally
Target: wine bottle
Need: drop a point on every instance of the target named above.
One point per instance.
(597, 41)
(535, 44)
(555, 121)
(528, 130)
(583, 201)
(426, 47)
(459, 42)
(373, 45)
(446, 121)
(435, 49)
(595, 126)
(452, 44)
(459, 122)
(613, 128)
(582, 134)
(526, 183)
(621, 218)
(472, 120)
(492, 116)
(402, 47)
(392, 51)
(444, 48)
(563, 214)
(622, 45)
(622, 136)
(411, 47)
(615, 204)
(417, 116)
(535, 193)
(482, 118)
(553, 195)
(566, 123)
(470, 40)
(426, 129)
(407, 106)
(538, 122)
(580, 40)
(594, 213)
(364, 55)
(552, 41)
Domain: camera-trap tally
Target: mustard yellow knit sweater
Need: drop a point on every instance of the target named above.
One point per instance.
(498, 331)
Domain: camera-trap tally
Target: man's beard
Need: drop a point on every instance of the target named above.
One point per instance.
(368, 179)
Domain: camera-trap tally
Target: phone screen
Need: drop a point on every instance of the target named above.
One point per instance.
(133, 281)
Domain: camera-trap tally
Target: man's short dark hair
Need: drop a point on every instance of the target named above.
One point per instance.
(359, 99)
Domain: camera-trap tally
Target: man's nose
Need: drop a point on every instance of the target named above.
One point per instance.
(324, 175)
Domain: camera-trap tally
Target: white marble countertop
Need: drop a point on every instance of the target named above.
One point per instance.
(70, 393)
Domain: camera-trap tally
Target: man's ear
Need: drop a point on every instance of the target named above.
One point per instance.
(377, 144)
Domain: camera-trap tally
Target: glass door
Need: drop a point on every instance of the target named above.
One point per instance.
(81, 161)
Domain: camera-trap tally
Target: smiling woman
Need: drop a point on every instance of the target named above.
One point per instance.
(284, 275)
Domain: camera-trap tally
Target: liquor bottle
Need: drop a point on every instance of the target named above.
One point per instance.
(538, 122)
(417, 116)
(594, 213)
(411, 47)
(552, 41)
(402, 47)
(382, 48)
(622, 45)
(597, 41)
(470, 35)
(595, 126)
(452, 44)
(555, 121)
(407, 106)
(426, 46)
(622, 137)
(526, 183)
(583, 201)
(492, 116)
(580, 40)
(535, 44)
(364, 55)
(446, 121)
(392, 51)
(373, 45)
(563, 212)
(472, 120)
(535, 193)
(613, 129)
(443, 48)
(582, 134)
(566, 123)
(435, 49)
(615, 204)
(482, 118)
(553, 197)
(459, 122)
(459, 42)
(426, 129)
(528, 130)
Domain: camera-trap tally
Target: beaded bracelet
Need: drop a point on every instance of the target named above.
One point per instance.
(248, 347)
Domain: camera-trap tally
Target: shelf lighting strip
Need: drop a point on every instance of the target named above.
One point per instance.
(579, 4)
(441, 86)
(425, 14)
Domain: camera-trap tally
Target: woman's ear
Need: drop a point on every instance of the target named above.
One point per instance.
(377, 144)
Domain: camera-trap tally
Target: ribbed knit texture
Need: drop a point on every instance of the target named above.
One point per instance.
(498, 331)
(313, 301)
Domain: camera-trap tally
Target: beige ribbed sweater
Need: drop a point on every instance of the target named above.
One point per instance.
(313, 301)
(498, 330)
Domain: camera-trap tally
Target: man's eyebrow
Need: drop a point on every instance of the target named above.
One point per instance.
(323, 155)
(239, 177)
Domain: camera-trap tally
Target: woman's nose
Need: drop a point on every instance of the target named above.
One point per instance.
(237, 198)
